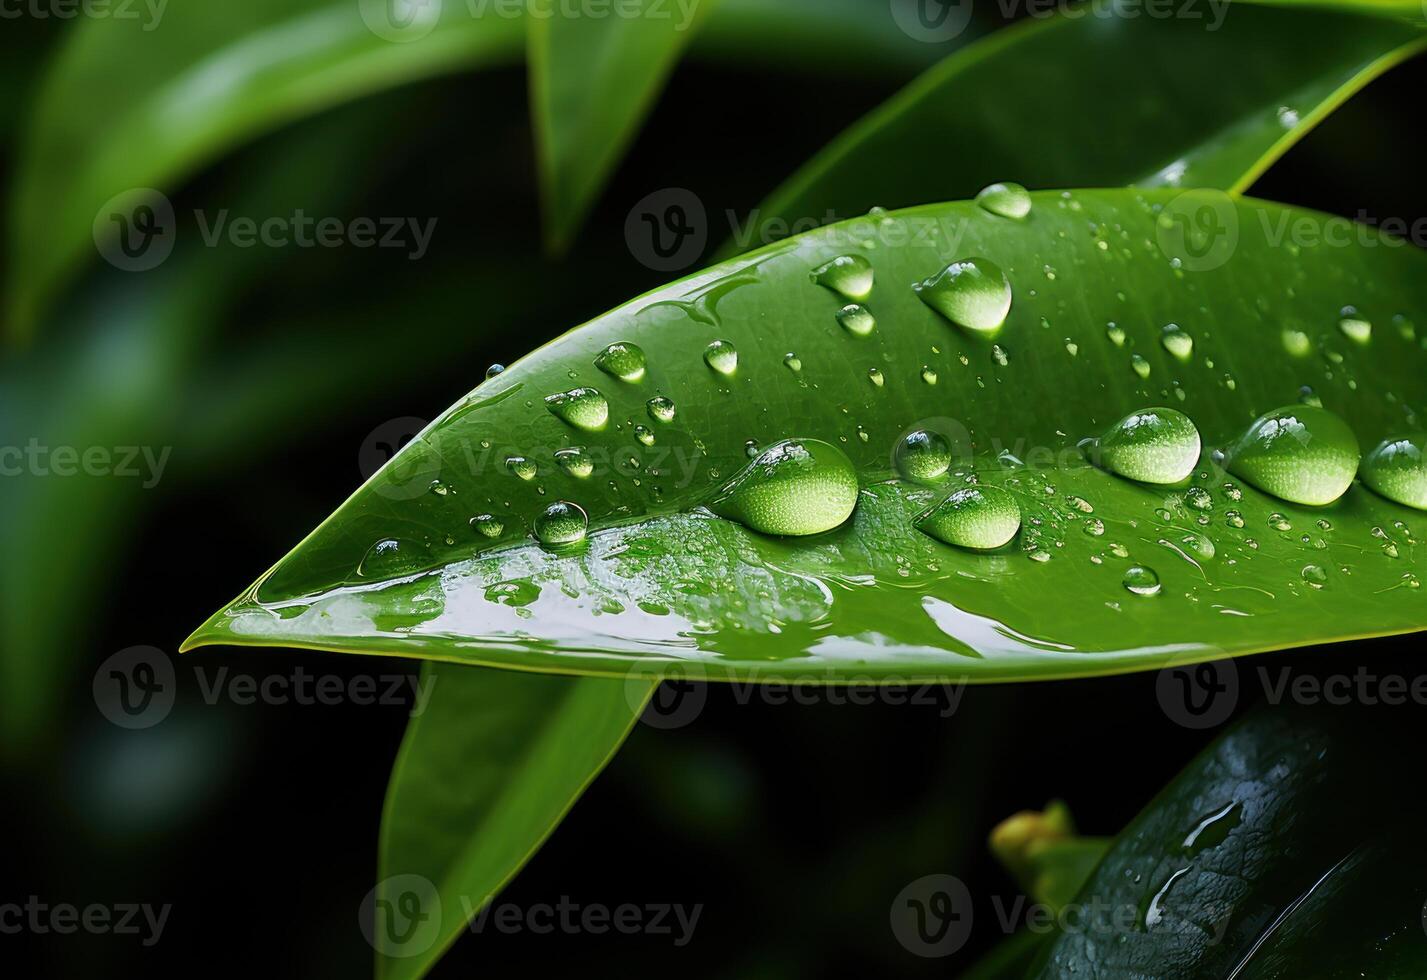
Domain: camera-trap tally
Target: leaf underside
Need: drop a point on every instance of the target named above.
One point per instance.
(663, 584)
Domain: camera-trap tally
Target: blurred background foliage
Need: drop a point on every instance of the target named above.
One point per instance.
(264, 370)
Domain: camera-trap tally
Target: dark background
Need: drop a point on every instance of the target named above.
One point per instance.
(793, 826)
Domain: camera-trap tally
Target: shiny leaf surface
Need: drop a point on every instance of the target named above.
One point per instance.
(434, 558)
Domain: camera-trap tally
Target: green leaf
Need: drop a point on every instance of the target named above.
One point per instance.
(1097, 276)
(961, 126)
(593, 79)
(128, 104)
(485, 774)
(1276, 853)
(131, 104)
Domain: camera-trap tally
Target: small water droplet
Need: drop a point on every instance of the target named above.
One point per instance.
(875, 376)
(1141, 580)
(928, 374)
(623, 361)
(661, 408)
(979, 517)
(1140, 365)
(493, 370)
(438, 488)
(1315, 576)
(1177, 341)
(793, 362)
(721, 356)
(521, 467)
(856, 319)
(1279, 522)
(998, 354)
(850, 275)
(1198, 498)
(488, 525)
(644, 436)
(1005, 199)
(1095, 527)
(1296, 342)
(1116, 334)
(561, 525)
(923, 456)
(391, 558)
(583, 408)
(1354, 326)
(973, 293)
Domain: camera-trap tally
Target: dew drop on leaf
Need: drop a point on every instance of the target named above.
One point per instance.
(583, 408)
(1300, 453)
(923, 456)
(1153, 445)
(623, 361)
(856, 319)
(1005, 199)
(1397, 469)
(721, 356)
(972, 293)
(794, 487)
(849, 275)
(561, 525)
(1141, 580)
(979, 517)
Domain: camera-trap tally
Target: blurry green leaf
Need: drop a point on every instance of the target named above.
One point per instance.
(486, 772)
(1030, 104)
(433, 557)
(109, 380)
(1278, 853)
(592, 82)
(135, 103)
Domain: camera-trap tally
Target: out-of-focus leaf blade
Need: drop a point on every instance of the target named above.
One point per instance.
(486, 772)
(401, 569)
(1276, 854)
(133, 103)
(592, 82)
(1030, 104)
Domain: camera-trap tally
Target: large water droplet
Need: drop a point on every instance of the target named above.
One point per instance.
(923, 456)
(1296, 342)
(575, 461)
(1315, 576)
(1140, 365)
(1006, 199)
(856, 319)
(978, 517)
(1141, 580)
(494, 370)
(1153, 445)
(562, 525)
(623, 361)
(973, 293)
(584, 408)
(1298, 453)
(722, 356)
(1176, 341)
(794, 487)
(1397, 469)
(850, 275)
